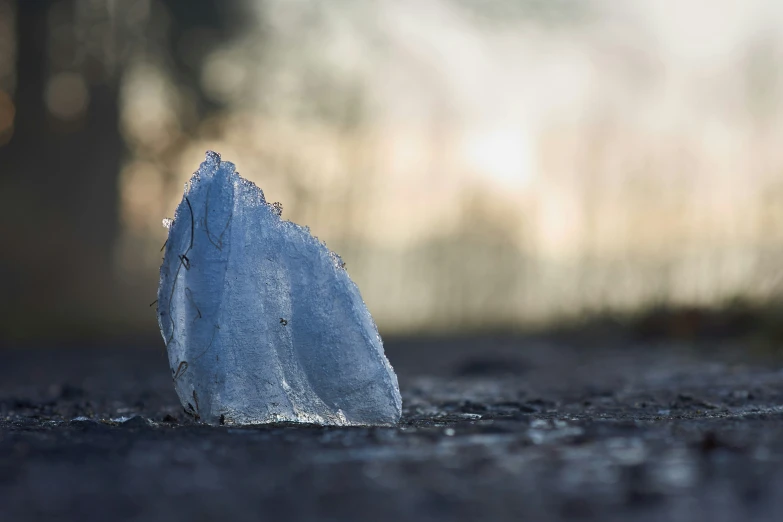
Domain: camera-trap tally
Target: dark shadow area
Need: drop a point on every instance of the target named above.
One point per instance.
(546, 427)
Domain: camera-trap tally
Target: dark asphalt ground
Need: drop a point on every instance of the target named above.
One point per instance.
(526, 428)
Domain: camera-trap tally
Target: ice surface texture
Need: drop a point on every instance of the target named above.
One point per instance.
(261, 321)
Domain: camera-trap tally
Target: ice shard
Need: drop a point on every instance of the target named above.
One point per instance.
(261, 321)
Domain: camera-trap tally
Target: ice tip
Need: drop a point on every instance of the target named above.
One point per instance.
(212, 158)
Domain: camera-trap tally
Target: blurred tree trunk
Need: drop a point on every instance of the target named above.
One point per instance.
(59, 193)
(59, 201)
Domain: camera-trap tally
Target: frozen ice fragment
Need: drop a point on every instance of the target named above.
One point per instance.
(260, 319)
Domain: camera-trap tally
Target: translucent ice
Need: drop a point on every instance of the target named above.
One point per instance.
(260, 319)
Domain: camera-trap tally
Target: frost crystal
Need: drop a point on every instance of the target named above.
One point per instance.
(261, 322)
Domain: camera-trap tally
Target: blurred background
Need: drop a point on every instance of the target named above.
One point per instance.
(484, 165)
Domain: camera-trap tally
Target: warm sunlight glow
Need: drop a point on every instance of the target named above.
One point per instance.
(550, 159)
(502, 156)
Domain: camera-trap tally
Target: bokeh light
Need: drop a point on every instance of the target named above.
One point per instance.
(67, 96)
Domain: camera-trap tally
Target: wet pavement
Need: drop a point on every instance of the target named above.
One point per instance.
(526, 428)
